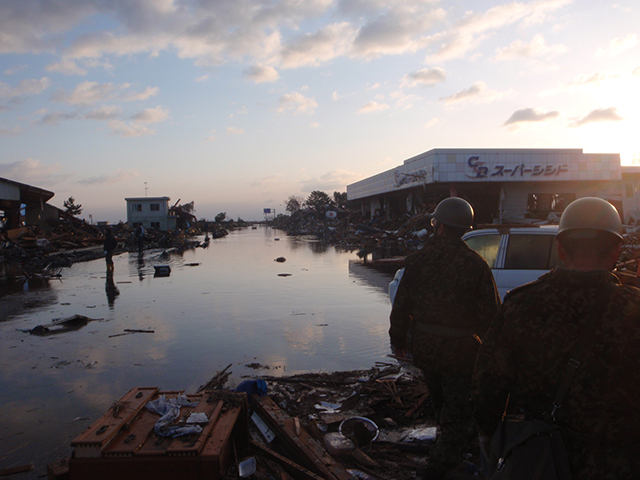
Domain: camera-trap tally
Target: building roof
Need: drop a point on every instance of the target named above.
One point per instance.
(142, 199)
(29, 194)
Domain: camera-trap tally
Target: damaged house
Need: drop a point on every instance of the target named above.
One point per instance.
(24, 203)
(503, 185)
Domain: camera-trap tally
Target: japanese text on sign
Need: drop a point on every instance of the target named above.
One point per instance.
(481, 170)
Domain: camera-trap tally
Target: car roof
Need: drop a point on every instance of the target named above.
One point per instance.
(517, 230)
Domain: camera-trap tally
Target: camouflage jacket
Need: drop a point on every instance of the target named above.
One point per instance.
(446, 296)
(525, 354)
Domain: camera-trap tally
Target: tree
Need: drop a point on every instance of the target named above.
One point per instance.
(220, 217)
(71, 206)
(189, 207)
(318, 200)
(340, 199)
(293, 203)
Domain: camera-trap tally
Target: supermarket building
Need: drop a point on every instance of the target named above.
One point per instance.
(503, 185)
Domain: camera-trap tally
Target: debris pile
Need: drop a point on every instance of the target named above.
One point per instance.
(367, 424)
(40, 254)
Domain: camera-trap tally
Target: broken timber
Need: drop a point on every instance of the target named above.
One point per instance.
(305, 448)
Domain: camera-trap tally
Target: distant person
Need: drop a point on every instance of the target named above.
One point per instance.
(444, 305)
(110, 244)
(139, 234)
(522, 363)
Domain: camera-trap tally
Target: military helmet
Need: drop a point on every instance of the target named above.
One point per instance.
(589, 214)
(455, 212)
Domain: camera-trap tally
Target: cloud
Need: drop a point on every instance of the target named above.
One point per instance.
(89, 93)
(335, 180)
(396, 31)
(235, 131)
(54, 118)
(427, 77)
(33, 172)
(297, 102)
(599, 115)
(11, 132)
(202, 78)
(260, 74)
(581, 82)
(536, 48)
(25, 88)
(138, 96)
(636, 71)
(528, 115)
(131, 129)
(66, 66)
(477, 93)
(108, 112)
(118, 177)
(313, 49)
(151, 115)
(211, 136)
(473, 28)
(404, 101)
(15, 69)
(618, 46)
(372, 106)
(336, 96)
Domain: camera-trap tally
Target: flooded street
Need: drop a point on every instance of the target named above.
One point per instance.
(232, 303)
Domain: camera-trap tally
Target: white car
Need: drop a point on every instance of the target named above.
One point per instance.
(516, 255)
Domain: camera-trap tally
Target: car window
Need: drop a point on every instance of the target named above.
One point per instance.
(530, 252)
(486, 246)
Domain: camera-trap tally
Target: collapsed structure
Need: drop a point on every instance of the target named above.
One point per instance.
(503, 185)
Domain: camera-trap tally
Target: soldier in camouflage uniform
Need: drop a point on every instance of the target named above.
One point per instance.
(445, 302)
(526, 351)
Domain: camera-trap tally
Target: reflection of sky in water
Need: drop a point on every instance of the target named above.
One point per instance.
(231, 308)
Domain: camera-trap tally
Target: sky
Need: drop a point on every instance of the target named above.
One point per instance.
(238, 104)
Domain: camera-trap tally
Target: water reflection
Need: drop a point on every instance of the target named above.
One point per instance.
(220, 305)
(111, 289)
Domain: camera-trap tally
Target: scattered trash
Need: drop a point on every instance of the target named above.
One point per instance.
(280, 260)
(162, 270)
(360, 429)
(169, 411)
(61, 325)
(284, 274)
(338, 444)
(247, 467)
(425, 434)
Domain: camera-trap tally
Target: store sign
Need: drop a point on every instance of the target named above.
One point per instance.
(481, 170)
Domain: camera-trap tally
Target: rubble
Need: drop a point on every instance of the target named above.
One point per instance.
(368, 424)
(34, 253)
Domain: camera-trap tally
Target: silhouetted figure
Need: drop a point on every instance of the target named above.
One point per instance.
(110, 244)
(140, 238)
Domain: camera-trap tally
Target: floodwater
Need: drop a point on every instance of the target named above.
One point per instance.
(231, 303)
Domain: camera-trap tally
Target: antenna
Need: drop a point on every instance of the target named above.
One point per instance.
(145, 189)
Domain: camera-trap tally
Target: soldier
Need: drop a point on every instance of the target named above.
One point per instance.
(445, 303)
(526, 351)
